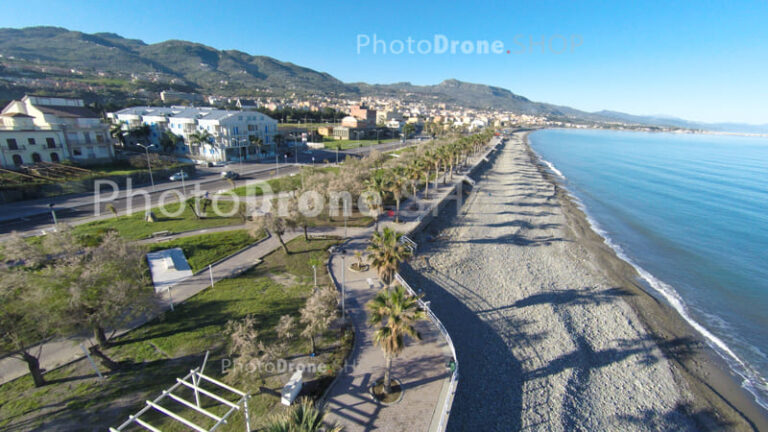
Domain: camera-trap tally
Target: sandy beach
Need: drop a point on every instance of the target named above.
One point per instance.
(552, 330)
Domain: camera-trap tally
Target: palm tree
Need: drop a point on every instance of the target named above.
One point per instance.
(117, 132)
(395, 312)
(200, 137)
(427, 163)
(375, 186)
(413, 171)
(256, 142)
(386, 253)
(396, 182)
(302, 417)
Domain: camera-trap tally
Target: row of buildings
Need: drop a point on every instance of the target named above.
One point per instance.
(38, 129)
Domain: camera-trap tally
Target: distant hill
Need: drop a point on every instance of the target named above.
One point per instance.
(199, 66)
(113, 69)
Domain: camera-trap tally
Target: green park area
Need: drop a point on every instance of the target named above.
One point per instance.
(286, 183)
(332, 144)
(152, 356)
(175, 219)
(204, 249)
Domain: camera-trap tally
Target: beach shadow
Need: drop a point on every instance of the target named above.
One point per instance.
(681, 414)
(523, 224)
(489, 393)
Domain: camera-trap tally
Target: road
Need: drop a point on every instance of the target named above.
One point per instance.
(35, 215)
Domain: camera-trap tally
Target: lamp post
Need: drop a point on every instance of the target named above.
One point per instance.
(313, 161)
(149, 166)
(53, 213)
(343, 283)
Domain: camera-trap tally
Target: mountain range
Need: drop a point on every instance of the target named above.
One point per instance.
(118, 66)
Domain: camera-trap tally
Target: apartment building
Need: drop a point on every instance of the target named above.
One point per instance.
(22, 143)
(66, 127)
(231, 135)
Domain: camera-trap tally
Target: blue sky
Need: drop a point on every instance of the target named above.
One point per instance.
(702, 60)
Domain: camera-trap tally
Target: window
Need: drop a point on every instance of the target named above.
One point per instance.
(87, 136)
(50, 142)
(12, 145)
(31, 141)
(17, 160)
(54, 157)
(100, 138)
(36, 158)
(77, 152)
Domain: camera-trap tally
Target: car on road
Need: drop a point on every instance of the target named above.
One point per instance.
(218, 164)
(230, 175)
(181, 175)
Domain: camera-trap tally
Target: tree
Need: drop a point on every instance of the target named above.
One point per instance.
(27, 311)
(199, 138)
(256, 142)
(318, 313)
(396, 183)
(408, 129)
(199, 206)
(117, 131)
(386, 253)
(301, 417)
(277, 225)
(286, 328)
(107, 287)
(375, 186)
(395, 312)
(168, 141)
(253, 354)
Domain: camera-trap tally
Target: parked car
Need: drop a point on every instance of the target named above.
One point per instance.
(230, 175)
(218, 164)
(181, 175)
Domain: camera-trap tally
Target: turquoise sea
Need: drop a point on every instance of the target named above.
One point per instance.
(690, 212)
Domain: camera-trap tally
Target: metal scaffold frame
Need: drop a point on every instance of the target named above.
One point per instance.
(192, 380)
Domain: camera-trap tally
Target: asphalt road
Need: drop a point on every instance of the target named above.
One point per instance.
(35, 215)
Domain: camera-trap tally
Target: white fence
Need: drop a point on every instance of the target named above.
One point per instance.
(446, 411)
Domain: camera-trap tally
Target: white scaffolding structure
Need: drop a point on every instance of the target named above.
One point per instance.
(192, 381)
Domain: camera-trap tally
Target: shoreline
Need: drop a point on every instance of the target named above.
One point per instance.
(715, 388)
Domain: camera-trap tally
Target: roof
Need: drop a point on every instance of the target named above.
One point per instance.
(67, 111)
(16, 114)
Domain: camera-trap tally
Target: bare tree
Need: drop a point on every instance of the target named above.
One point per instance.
(26, 320)
(318, 313)
(107, 287)
(275, 224)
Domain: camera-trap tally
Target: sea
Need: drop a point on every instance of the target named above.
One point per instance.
(690, 213)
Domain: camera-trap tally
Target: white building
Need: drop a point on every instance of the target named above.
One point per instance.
(22, 142)
(82, 136)
(232, 134)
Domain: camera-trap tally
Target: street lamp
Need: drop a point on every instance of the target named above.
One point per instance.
(343, 283)
(146, 150)
(53, 213)
(313, 161)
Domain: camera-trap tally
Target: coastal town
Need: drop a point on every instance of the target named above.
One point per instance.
(203, 239)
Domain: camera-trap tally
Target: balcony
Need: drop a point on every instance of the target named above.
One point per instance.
(18, 148)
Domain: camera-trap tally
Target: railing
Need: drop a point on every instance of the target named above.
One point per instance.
(446, 412)
(18, 148)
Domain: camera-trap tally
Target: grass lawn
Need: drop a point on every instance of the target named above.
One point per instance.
(281, 184)
(304, 125)
(205, 249)
(169, 346)
(348, 144)
(134, 227)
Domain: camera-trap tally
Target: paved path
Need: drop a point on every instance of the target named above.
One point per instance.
(421, 368)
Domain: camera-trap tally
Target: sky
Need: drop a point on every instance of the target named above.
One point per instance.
(698, 60)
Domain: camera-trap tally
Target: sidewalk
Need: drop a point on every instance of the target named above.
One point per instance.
(421, 368)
